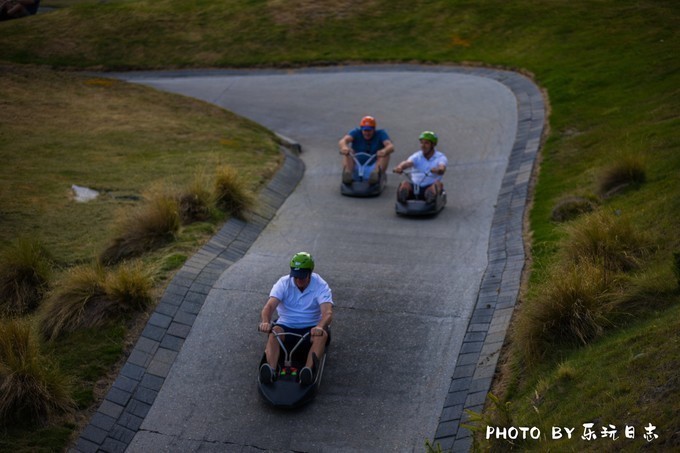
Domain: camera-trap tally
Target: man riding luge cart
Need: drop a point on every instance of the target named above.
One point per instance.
(366, 156)
(295, 354)
(423, 193)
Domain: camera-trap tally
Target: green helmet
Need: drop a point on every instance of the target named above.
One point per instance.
(301, 265)
(429, 136)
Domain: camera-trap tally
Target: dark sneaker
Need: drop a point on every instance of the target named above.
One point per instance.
(374, 177)
(306, 376)
(266, 374)
(347, 177)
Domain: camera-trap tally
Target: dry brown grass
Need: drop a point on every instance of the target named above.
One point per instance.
(625, 171)
(231, 192)
(25, 272)
(608, 239)
(89, 296)
(144, 228)
(32, 389)
(196, 201)
(572, 307)
(308, 13)
(570, 208)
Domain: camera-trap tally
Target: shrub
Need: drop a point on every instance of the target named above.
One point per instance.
(146, 228)
(128, 289)
(32, 388)
(571, 307)
(649, 290)
(628, 169)
(25, 271)
(195, 202)
(571, 208)
(607, 239)
(231, 194)
(89, 297)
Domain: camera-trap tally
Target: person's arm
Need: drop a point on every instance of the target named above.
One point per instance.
(326, 318)
(403, 166)
(439, 169)
(267, 313)
(388, 148)
(345, 144)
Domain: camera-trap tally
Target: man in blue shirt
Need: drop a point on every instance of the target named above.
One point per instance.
(431, 165)
(304, 304)
(365, 139)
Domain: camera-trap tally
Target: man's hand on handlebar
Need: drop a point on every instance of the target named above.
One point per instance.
(317, 331)
(264, 327)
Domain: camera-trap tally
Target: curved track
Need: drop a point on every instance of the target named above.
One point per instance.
(407, 292)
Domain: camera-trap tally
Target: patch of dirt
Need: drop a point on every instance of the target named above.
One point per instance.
(305, 13)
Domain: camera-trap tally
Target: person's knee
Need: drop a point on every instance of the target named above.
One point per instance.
(405, 185)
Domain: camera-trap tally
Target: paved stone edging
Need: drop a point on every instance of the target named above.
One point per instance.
(129, 399)
(499, 288)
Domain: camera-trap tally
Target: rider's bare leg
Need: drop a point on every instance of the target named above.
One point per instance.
(273, 349)
(384, 163)
(318, 346)
(434, 189)
(406, 187)
(348, 163)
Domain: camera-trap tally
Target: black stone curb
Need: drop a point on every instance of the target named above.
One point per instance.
(121, 413)
(499, 289)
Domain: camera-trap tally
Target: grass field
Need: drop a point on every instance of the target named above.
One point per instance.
(610, 73)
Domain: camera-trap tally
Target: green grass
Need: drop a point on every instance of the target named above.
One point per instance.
(628, 378)
(609, 69)
(114, 137)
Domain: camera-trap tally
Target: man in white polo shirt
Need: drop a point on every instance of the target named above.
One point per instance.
(304, 304)
(430, 163)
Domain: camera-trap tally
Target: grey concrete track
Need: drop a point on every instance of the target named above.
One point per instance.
(410, 327)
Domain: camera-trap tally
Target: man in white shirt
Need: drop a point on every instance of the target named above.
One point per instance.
(430, 165)
(304, 304)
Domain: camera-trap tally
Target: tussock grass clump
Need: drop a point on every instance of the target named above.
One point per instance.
(89, 296)
(231, 193)
(572, 207)
(32, 388)
(607, 239)
(571, 307)
(146, 228)
(25, 272)
(195, 202)
(627, 170)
